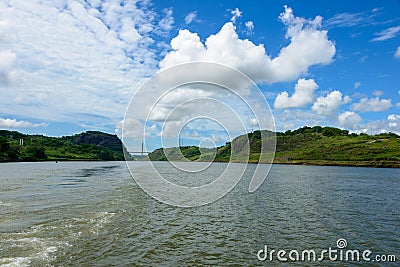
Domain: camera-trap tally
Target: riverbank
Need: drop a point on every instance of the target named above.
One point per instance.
(324, 146)
(370, 164)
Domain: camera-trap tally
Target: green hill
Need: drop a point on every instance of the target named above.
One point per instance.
(307, 145)
(191, 153)
(90, 145)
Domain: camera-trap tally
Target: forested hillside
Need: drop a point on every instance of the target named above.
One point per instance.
(91, 145)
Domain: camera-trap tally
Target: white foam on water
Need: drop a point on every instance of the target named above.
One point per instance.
(77, 234)
(100, 220)
(15, 262)
(30, 249)
(5, 204)
(48, 254)
(34, 247)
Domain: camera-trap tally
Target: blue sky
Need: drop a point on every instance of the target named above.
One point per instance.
(72, 66)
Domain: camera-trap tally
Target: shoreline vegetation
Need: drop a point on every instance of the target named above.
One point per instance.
(324, 146)
(87, 146)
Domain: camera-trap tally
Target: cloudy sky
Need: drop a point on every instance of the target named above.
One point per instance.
(71, 66)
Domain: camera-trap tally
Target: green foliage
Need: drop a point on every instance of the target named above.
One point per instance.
(306, 145)
(183, 153)
(339, 148)
(330, 131)
(312, 145)
(33, 152)
(85, 146)
(4, 145)
(158, 154)
(224, 153)
(190, 152)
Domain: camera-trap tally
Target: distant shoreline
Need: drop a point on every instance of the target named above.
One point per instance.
(367, 164)
(364, 164)
(319, 146)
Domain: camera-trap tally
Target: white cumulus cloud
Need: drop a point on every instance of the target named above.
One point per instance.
(76, 61)
(372, 104)
(13, 123)
(308, 46)
(328, 105)
(390, 124)
(303, 95)
(349, 119)
(393, 117)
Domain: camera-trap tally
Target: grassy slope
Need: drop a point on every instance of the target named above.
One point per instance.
(339, 150)
(317, 146)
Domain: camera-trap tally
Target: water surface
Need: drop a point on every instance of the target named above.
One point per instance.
(94, 214)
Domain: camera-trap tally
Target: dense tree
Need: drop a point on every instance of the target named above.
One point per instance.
(34, 152)
(85, 146)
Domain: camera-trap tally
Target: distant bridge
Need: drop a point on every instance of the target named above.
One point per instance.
(139, 152)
